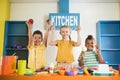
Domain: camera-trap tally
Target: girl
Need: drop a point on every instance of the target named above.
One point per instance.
(36, 46)
(65, 45)
(90, 58)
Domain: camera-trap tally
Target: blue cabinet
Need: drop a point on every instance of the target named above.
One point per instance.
(108, 37)
(16, 39)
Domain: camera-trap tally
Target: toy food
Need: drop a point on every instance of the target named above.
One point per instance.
(86, 71)
(30, 21)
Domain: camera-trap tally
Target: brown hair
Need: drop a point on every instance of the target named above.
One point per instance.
(37, 32)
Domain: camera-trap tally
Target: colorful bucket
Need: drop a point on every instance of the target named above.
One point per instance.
(8, 64)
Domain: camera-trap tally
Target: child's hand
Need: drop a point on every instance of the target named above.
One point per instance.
(97, 48)
(78, 28)
(48, 22)
(48, 25)
(83, 54)
(29, 25)
(53, 28)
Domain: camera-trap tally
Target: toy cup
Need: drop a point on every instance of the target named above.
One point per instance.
(21, 67)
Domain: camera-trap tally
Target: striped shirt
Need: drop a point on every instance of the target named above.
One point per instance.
(90, 59)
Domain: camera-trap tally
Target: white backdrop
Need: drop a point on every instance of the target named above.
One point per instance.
(90, 13)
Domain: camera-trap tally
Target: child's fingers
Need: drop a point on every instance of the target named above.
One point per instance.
(53, 27)
(48, 25)
(79, 28)
(26, 22)
(29, 25)
(82, 54)
(97, 47)
(48, 22)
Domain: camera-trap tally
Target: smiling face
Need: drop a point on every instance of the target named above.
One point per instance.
(37, 39)
(89, 44)
(65, 32)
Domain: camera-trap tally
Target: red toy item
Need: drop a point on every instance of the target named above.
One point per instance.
(30, 21)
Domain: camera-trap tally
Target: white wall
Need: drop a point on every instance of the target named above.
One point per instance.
(37, 11)
(90, 13)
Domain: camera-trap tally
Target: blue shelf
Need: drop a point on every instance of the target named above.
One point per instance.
(112, 57)
(16, 27)
(109, 27)
(108, 38)
(109, 49)
(16, 33)
(110, 35)
(15, 49)
(110, 42)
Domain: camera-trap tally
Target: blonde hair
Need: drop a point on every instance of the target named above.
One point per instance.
(65, 26)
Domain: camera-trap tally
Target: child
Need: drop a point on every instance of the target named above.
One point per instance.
(36, 47)
(90, 58)
(65, 46)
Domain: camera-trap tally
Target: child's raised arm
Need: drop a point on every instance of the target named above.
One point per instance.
(29, 25)
(81, 58)
(100, 59)
(51, 42)
(46, 33)
(78, 37)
